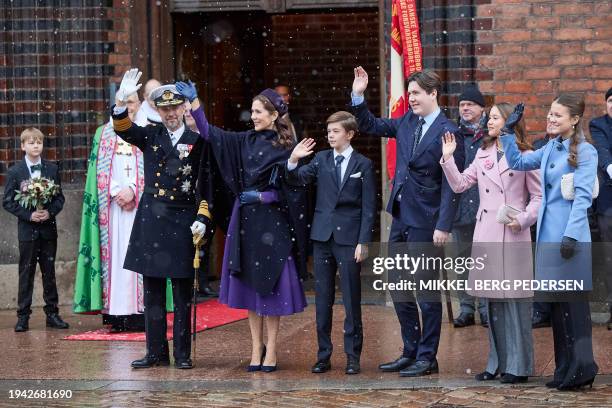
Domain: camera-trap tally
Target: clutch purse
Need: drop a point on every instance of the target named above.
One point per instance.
(567, 187)
(504, 212)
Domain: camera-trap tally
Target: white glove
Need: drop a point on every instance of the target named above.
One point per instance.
(609, 170)
(129, 84)
(198, 228)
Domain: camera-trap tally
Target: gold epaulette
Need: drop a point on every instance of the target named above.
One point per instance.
(121, 125)
(203, 210)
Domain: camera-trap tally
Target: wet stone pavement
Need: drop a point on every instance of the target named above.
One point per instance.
(98, 374)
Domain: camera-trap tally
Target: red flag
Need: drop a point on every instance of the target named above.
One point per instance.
(406, 58)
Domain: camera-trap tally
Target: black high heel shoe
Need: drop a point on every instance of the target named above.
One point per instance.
(576, 387)
(253, 368)
(268, 369)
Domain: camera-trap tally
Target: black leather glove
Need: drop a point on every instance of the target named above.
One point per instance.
(568, 247)
(513, 119)
(249, 197)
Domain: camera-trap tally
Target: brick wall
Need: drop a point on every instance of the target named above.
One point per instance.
(541, 48)
(54, 69)
(316, 53)
(449, 38)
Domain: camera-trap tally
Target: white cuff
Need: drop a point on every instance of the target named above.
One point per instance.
(609, 170)
(118, 110)
(292, 166)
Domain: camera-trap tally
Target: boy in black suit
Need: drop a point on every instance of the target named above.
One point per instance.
(341, 228)
(36, 231)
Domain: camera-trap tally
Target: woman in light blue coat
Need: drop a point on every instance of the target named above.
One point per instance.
(563, 250)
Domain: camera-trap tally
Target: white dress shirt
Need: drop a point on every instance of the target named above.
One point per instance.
(30, 164)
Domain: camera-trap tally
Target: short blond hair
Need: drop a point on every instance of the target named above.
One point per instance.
(345, 119)
(32, 133)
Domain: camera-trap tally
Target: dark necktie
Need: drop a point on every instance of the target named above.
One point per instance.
(36, 167)
(339, 159)
(418, 134)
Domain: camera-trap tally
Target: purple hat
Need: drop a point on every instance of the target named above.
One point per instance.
(276, 100)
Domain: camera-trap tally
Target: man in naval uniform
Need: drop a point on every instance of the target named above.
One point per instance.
(161, 244)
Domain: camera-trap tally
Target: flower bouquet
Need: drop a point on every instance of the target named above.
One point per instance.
(36, 192)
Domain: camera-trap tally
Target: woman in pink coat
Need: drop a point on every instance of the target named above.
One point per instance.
(510, 341)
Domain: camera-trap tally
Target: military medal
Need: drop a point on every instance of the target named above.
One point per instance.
(186, 186)
(184, 150)
(186, 169)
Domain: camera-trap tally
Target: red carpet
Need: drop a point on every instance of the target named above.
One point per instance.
(210, 314)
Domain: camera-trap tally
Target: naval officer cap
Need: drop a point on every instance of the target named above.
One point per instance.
(167, 95)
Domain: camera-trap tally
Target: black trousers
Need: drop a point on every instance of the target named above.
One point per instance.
(420, 344)
(328, 258)
(155, 316)
(571, 325)
(40, 252)
(605, 229)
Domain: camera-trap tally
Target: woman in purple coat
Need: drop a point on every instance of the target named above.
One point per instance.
(263, 243)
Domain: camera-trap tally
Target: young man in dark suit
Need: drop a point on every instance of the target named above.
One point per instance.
(601, 132)
(36, 231)
(422, 204)
(341, 228)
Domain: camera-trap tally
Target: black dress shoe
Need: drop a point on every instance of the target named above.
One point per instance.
(553, 384)
(183, 364)
(539, 321)
(56, 322)
(22, 324)
(352, 366)
(610, 321)
(464, 320)
(419, 368)
(485, 376)
(207, 291)
(484, 320)
(321, 367)
(151, 361)
(512, 379)
(397, 365)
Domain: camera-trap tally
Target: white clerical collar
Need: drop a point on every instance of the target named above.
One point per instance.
(176, 135)
(346, 153)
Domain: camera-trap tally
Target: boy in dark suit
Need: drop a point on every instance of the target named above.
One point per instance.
(341, 228)
(37, 231)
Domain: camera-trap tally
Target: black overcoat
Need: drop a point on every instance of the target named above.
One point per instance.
(269, 234)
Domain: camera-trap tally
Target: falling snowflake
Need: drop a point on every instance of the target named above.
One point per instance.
(186, 186)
